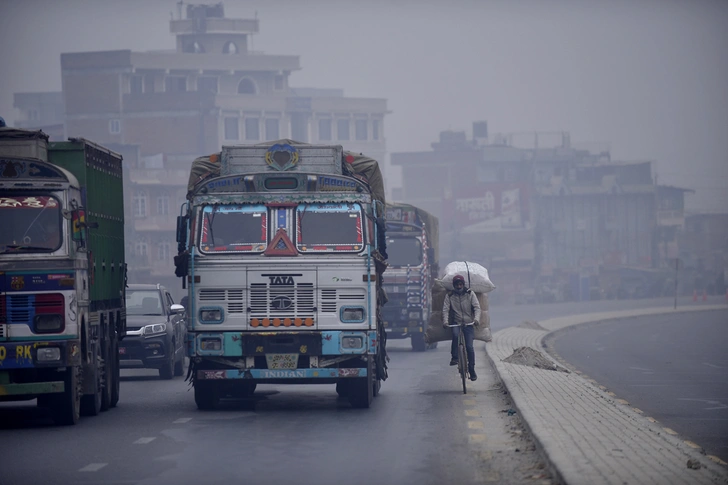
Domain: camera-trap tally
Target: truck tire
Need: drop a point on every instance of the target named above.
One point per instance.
(115, 374)
(67, 405)
(179, 365)
(342, 388)
(418, 342)
(207, 395)
(361, 390)
(91, 403)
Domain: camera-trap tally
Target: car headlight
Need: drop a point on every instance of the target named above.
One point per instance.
(48, 354)
(352, 342)
(154, 329)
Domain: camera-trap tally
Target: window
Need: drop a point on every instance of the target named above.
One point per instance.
(404, 251)
(194, 48)
(140, 248)
(207, 83)
(163, 205)
(230, 48)
(278, 82)
(136, 84)
(329, 227)
(149, 83)
(115, 126)
(375, 129)
(342, 129)
(234, 228)
(231, 129)
(299, 127)
(252, 129)
(325, 129)
(246, 86)
(140, 204)
(163, 251)
(175, 84)
(360, 130)
(33, 114)
(272, 131)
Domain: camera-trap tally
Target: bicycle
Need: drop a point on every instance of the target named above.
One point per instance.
(462, 354)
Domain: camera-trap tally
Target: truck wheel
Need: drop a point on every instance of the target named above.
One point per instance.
(206, 395)
(179, 365)
(166, 372)
(67, 405)
(91, 403)
(361, 392)
(115, 374)
(418, 342)
(342, 388)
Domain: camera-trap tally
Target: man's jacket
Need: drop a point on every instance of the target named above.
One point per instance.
(462, 308)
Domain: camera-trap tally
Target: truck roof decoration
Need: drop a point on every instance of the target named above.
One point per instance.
(18, 173)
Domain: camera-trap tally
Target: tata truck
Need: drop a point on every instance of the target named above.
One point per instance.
(62, 273)
(280, 251)
(412, 247)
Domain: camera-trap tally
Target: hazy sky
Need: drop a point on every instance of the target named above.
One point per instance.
(648, 78)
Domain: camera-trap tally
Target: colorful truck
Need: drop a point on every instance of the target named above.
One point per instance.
(280, 250)
(62, 273)
(412, 243)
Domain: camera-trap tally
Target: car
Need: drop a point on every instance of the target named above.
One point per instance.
(155, 331)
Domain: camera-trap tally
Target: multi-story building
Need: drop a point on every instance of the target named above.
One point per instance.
(552, 221)
(212, 90)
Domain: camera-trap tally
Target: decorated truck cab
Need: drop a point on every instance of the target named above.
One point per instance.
(279, 247)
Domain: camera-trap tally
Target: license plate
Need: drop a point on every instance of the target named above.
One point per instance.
(122, 350)
(282, 361)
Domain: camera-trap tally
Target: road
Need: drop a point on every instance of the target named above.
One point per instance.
(672, 367)
(421, 429)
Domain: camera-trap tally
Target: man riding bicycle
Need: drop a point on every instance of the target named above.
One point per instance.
(461, 306)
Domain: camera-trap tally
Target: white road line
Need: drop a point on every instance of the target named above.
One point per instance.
(144, 441)
(712, 365)
(182, 420)
(93, 467)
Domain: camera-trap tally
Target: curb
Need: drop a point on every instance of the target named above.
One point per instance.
(586, 434)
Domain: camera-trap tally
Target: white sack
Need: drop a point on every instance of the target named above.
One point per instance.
(479, 280)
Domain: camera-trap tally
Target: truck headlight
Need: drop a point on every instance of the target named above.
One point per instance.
(352, 314)
(48, 323)
(211, 315)
(352, 342)
(48, 354)
(210, 344)
(414, 314)
(413, 299)
(154, 329)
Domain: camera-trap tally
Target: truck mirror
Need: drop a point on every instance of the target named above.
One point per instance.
(78, 219)
(182, 230)
(431, 254)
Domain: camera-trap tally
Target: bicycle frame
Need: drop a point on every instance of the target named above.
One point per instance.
(462, 354)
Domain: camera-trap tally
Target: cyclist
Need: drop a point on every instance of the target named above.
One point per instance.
(461, 306)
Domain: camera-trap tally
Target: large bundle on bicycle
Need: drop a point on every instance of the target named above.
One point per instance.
(477, 279)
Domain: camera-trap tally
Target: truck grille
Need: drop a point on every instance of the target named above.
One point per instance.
(231, 299)
(289, 301)
(20, 309)
(330, 299)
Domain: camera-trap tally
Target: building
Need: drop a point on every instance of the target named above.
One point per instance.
(553, 222)
(212, 90)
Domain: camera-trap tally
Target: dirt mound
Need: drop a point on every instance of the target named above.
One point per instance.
(532, 358)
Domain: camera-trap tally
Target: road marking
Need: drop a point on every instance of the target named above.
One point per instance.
(718, 404)
(641, 368)
(144, 441)
(638, 410)
(651, 420)
(472, 412)
(717, 460)
(712, 365)
(693, 445)
(93, 467)
(182, 420)
(610, 393)
(622, 401)
(469, 402)
(476, 438)
(670, 431)
(475, 424)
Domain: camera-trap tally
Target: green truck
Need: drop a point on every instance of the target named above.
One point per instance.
(62, 273)
(412, 244)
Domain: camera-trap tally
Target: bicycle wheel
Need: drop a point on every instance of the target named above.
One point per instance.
(463, 363)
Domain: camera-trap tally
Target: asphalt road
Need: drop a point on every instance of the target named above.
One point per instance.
(672, 367)
(421, 429)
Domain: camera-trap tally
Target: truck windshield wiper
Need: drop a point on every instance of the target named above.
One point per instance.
(23, 246)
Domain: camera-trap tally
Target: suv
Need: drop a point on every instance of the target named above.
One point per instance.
(155, 331)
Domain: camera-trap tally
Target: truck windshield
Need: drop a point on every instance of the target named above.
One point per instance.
(404, 251)
(30, 223)
(233, 228)
(329, 227)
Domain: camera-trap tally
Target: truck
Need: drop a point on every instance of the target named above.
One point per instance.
(280, 248)
(412, 247)
(62, 273)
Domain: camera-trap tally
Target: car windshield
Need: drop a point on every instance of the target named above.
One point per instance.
(233, 228)
(404, 251)
(143, 302)
(329, 227)
(30, 223)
